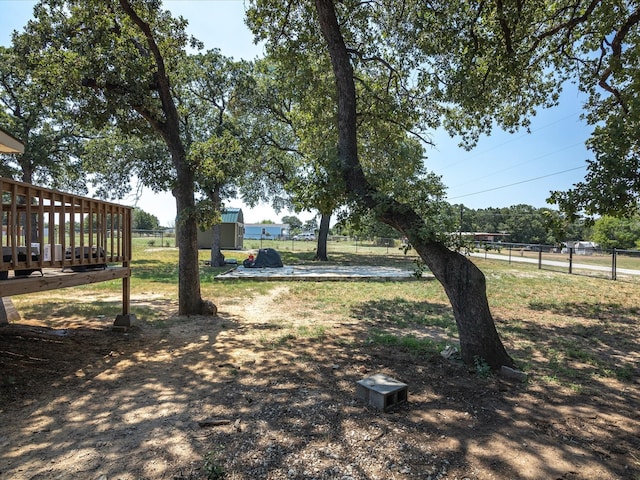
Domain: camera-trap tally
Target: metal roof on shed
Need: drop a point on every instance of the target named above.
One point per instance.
(232, 215)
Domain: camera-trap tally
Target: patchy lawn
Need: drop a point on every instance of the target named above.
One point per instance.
(267, 389)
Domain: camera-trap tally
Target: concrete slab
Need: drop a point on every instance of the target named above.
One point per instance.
(317, 273)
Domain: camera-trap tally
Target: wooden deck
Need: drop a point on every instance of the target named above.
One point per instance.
(71, 239)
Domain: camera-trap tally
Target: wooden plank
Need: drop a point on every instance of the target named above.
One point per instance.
(21, 286)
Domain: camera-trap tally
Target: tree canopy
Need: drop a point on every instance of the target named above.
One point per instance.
(606, 56)
(34, 111)
(610, 232)
(144, 220)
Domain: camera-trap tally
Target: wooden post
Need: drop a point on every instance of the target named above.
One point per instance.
(125, 320)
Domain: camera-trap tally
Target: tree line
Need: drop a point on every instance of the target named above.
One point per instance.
(523, 224)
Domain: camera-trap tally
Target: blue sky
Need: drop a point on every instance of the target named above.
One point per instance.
(504, 169)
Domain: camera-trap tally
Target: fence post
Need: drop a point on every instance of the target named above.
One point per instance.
(614, 261)
(570, 260)
(539, 256)
(510, 254)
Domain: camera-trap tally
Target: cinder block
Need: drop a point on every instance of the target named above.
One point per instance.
(124, 321)
(381, 391)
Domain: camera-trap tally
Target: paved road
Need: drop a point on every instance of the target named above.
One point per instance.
(555, 263)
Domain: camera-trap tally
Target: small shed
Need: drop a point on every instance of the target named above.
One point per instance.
(264, 231)
(231, 231)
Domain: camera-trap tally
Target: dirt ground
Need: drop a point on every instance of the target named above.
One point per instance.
(191, 398)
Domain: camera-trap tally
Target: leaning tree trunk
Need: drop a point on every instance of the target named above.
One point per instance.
(323, 233)
(463, 282)
(465, 286)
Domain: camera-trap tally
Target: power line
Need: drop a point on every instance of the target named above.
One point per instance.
(518, 164)
(516, 183)
(513, 139)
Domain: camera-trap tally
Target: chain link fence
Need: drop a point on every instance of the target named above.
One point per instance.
(336, 244)
(154, 238)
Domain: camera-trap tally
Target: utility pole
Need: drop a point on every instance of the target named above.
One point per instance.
(460, 228)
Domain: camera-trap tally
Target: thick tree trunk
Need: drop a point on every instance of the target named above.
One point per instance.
(463, 282)
(189, 297)
(465, 286)
(323, 233)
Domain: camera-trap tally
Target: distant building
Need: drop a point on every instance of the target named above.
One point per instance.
(266, 231)
(231, 231)
(483, 237)
(581, 247)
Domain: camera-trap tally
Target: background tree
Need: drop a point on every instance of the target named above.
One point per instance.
(485, 220)
(310, 226)
(524, 224)
(144, 221)
(295, 224)
(366, 226)
(285, 114)
(612, 232)
(34, 111)
(210, 83)
(292, 113)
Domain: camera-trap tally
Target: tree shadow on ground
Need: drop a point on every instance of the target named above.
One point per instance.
(401, 312)
(155, 402)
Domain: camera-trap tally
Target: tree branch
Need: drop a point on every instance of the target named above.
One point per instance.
(569, 25)
(616, 54)
(504, 26)
(169, 129)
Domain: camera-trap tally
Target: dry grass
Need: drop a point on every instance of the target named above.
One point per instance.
(559, 325)
(280, 363)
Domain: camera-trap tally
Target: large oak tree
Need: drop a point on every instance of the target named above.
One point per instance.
(464, 66)
(118, 60)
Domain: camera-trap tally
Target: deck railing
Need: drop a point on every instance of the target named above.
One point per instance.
(43, 228)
